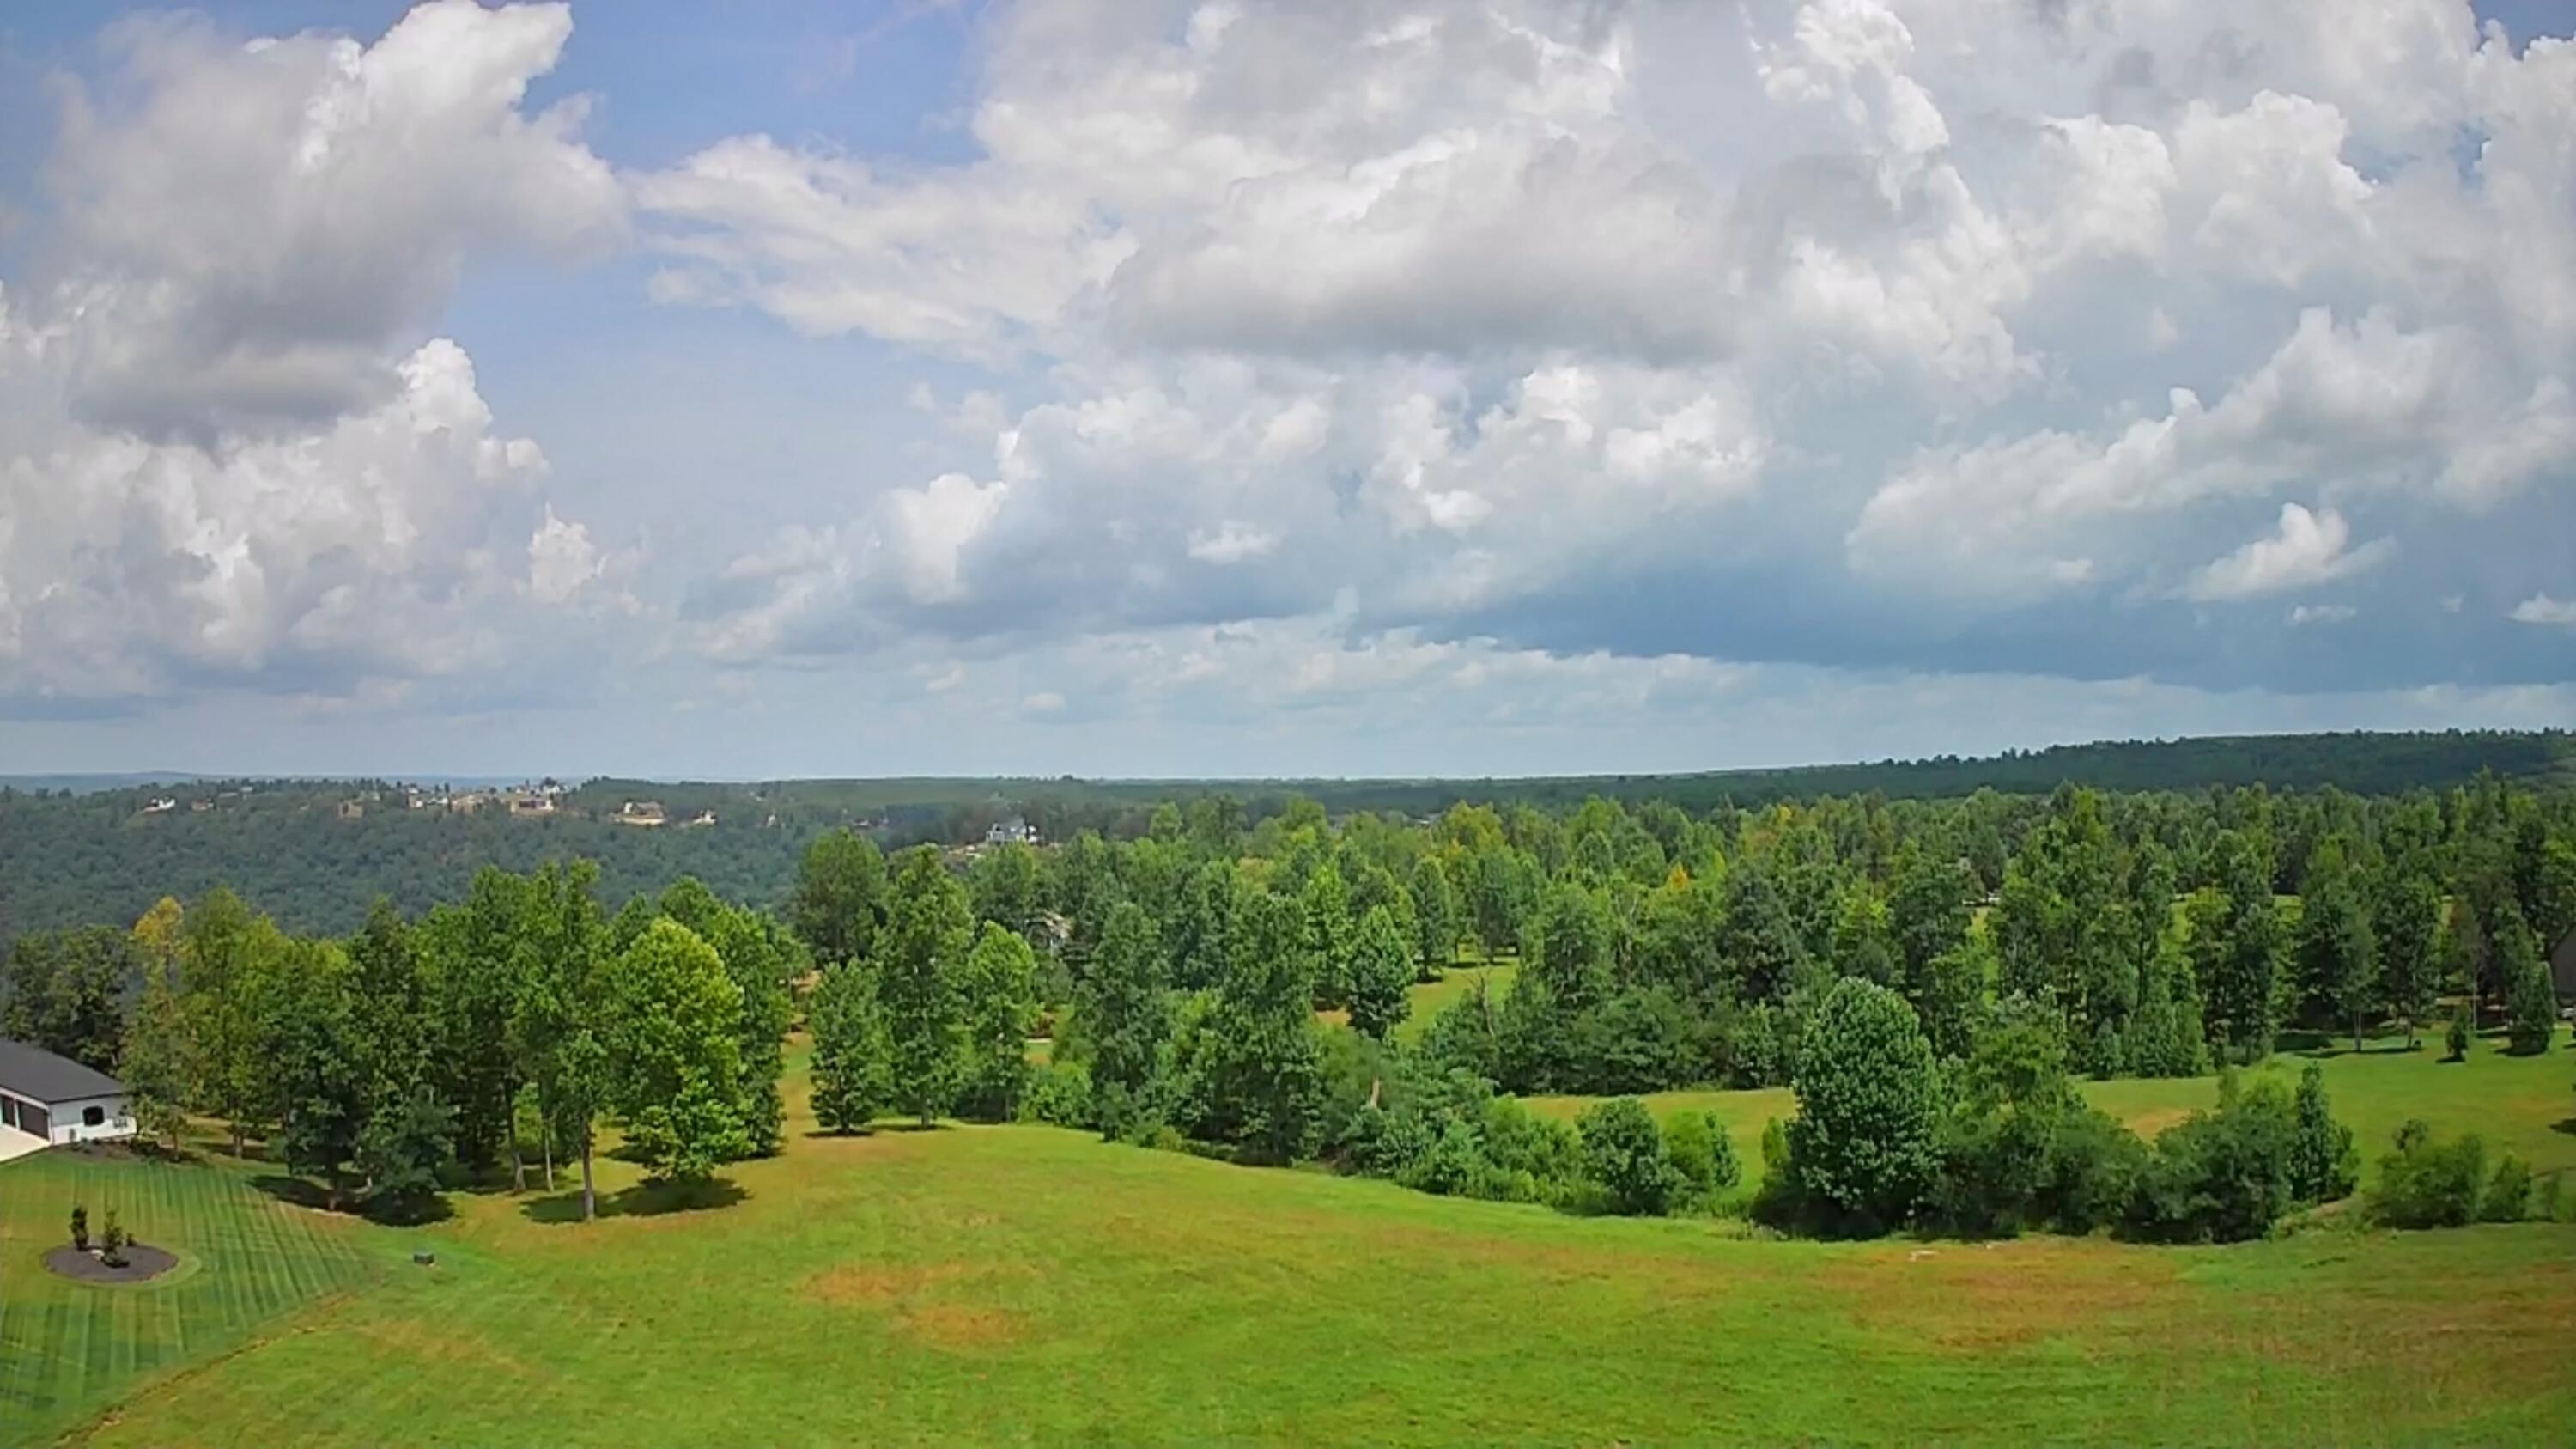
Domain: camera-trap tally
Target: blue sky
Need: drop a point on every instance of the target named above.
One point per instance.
(1140, 388)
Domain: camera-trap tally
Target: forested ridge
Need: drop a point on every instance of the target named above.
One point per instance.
(93, 855)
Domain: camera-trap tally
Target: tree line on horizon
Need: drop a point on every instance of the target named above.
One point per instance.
(1179, 975)
(75, 859)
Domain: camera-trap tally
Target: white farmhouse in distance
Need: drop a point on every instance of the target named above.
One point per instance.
(1014, 831)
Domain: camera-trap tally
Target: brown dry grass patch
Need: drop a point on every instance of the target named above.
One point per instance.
(2500, 1332)
(1975, 1297)
(423, 1342)
(963, 1325)
(881, 1283)
(2148, 1123)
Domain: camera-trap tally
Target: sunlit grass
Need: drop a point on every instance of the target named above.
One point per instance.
(1022, 1283)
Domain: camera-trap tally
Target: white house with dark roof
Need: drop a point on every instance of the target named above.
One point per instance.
(56, 1101)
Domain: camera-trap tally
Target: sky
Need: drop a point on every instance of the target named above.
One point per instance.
(1114, 387)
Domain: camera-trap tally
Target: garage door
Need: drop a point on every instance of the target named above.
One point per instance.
(32, 1118)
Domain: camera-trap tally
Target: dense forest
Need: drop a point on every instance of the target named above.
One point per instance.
(73, 856)
(1929, 976)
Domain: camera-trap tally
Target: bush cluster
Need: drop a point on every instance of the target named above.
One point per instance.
(2002, 1143)
(2429, 1183)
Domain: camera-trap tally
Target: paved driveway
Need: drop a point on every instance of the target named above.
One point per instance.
(14, 1143)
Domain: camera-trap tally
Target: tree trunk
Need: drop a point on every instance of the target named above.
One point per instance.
(239, 1145)
(589, 1193)
(518, 1160)
(546, 1144)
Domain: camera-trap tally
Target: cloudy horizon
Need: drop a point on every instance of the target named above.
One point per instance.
(1313, 388)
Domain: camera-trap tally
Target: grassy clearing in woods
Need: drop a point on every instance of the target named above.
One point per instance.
(2521, 1105)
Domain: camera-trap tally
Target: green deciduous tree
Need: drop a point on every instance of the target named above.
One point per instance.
(227, 953)
(2406, 917)
(317, 1077)
(1950, 995)
(1865, 937)
(159, 1066)
(65, 991)
(1325, 907)
(408, 1141)
(1623, 1155)
(921, 962)
(2238, 949)
(1861, 1146)
(840, 896)
(1927, 908)
(2337, 949)
(673, 1019)
(2066, 930)
(1123, 1007)
(1005, 888)
(1381, 970)
(2324, 1164)
(1435, 915)
(2530, 1000)
(762, 959)
(1197, 942)
(1001, 1003)
(1263, 1078)
(853, 1067)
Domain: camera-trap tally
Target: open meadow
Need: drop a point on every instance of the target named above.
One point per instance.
(2521, 1105)
(1027, 1283)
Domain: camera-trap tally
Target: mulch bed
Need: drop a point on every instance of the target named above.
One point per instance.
(142, 1264)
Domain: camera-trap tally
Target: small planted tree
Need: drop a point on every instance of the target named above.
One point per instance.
(111, 1243)
(2531, 1000)
(2508, 1195)
(2457, 1039)
(80, 1226)
(2324, 1164)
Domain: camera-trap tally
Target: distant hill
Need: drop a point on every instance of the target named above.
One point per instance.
(92, 784)
(295, 847)
(2362, 763)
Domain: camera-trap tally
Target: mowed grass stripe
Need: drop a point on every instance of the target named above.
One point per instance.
(68, 1349)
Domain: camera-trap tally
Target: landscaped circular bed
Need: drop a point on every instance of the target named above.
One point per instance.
(143, 1263)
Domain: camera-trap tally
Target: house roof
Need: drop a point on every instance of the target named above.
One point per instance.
(31, 1071)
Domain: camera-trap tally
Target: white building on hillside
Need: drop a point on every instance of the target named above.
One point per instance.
(57, 1101)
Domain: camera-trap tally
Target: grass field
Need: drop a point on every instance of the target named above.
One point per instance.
(1017, 1284)
(1434, 997)
(1429, 998)
(247, 1261)
(2523, 1105)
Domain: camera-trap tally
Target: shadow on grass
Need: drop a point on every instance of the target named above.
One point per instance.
(298, 1192)
(2568, 1126)
(2329, 1051)
(644, 1200)
(876, 1129)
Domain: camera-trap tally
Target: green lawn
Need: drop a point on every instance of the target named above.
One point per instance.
(1434, 997)
(1029, 1284)
(1429, 998)
(247, 1261)
(2525, 1105)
